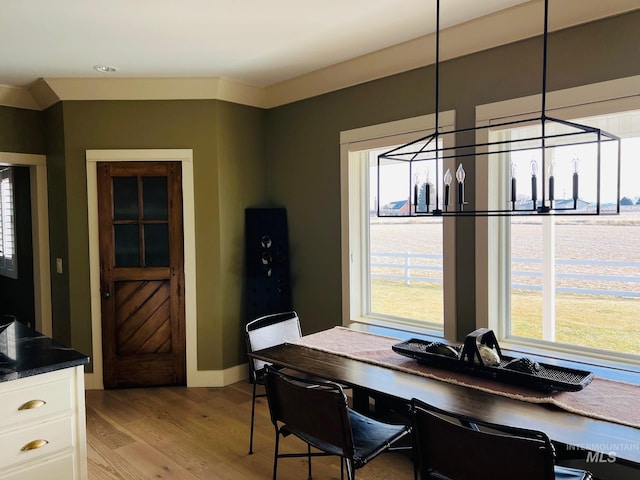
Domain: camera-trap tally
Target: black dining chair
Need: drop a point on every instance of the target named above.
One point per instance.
(318, 413)
(263, 332)
(449, 446)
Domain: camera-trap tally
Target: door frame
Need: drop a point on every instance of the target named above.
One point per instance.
(39, 233)
(185, 156)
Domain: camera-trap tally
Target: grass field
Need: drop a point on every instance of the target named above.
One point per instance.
(617, 327)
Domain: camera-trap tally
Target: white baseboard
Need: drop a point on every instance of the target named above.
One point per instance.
(199, 378)
(218, 378)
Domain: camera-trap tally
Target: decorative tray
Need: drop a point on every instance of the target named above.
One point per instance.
(481, 356)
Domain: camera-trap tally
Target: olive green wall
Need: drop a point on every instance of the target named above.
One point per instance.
(58, 231)
(242, 173)
(21, 131)
(304, 158)
(227, 142)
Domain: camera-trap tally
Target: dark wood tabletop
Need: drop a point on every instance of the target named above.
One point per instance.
(561, 426)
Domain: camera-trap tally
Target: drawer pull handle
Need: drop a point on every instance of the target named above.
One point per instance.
(34, 445)
(31, 404)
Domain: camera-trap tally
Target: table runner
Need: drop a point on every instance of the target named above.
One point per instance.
(602, 399)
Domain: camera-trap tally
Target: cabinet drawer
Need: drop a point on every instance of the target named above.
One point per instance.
(30, 400)
(56, 434)
(56, 468)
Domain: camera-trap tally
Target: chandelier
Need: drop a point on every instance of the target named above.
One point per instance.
(566, 164)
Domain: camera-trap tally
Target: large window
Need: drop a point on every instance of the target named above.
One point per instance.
(571, 283)
(8, 261)
(404, 258)
(396, 268)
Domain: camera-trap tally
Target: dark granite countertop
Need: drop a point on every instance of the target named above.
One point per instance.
(25, 352)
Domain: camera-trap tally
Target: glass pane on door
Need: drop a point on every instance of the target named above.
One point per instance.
(127, 245)
(156, 245)
(125, 198)
(154, 198)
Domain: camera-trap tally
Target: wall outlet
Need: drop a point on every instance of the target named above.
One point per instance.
(59, 265)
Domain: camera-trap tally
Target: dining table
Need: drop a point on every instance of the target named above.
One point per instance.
(596, 438)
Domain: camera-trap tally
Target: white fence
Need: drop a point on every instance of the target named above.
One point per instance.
(407, 267)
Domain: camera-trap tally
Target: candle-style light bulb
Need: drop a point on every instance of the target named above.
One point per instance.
(576, 168)
(513, 185)
(534, 183)
(427, 190)
(551, 171)
(447, 186)
(448, 178)
(460, 176)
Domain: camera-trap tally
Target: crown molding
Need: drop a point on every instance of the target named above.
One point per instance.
(196, 88)
(510, 25)
(19, 97)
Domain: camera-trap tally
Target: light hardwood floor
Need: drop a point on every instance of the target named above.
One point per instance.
(200, 433)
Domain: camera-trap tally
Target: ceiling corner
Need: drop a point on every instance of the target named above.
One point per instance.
(43, 93)
(18, 97)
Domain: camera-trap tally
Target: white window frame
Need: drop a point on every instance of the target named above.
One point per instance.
(8, 263)
(492, 250)
(355, 204)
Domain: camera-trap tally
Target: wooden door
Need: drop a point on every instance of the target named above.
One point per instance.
(141, 273)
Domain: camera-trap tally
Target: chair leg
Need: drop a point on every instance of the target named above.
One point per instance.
(253, 416)
(309, 458)
(351, 473)
(275, 455)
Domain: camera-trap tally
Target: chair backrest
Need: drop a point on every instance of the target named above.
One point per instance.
(270, 330)
(317, 411)
(459, 447)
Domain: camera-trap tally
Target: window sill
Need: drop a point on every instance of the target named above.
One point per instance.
(397, 330)
(611, 369)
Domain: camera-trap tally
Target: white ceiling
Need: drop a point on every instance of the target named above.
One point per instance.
(256, 42)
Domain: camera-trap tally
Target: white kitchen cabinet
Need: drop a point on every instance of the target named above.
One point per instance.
(43, 426)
